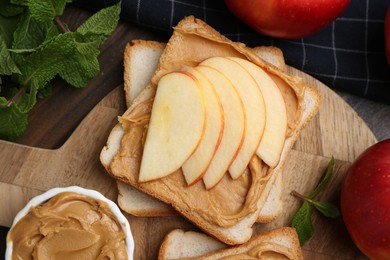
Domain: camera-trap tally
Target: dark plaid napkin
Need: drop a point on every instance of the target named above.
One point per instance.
(347, 55)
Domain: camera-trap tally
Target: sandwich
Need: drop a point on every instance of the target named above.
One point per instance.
(141, 58)
(164, 157)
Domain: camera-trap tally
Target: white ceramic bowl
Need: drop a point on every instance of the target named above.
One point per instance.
(91, 193)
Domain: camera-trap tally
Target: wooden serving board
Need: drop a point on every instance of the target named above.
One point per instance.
(336, 130)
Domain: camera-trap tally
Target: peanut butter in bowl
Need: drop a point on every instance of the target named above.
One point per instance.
(70, 223)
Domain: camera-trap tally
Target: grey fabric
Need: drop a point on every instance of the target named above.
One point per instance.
(375, 114)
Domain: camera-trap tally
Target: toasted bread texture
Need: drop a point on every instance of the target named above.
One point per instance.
(179, 244)
(140, 204)
(140, 62)
(192, 42)
(146, 55)
(187, 244)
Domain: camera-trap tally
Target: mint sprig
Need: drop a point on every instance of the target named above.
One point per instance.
(36, 46)
(301, 220)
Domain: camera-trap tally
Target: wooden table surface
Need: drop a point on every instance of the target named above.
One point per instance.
(55, 118)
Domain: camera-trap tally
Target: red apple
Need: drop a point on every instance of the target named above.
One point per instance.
(287, 18)
(387, 35)
(365, 201)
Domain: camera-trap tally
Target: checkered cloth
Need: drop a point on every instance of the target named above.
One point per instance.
(348, 54)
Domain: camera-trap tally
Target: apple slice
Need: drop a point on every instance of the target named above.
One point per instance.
(253, 105)
(233, 134)
(274, 136)
(176, 126)
(196, 165)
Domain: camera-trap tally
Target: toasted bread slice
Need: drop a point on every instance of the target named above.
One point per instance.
(141, 57)
(179, 244)
(140, 204)
(140, 62)
(192, 42)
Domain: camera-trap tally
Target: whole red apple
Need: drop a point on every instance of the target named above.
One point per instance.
(365, 201)
(387, 35)
(287, 18)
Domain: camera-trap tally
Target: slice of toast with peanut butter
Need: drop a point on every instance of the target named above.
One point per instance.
(227, 211)
(141, 58)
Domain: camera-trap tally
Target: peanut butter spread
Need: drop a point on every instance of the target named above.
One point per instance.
(69, 226)
(230, 200)
(239, 196)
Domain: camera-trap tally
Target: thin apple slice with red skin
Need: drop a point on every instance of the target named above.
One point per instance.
(272, 142)
(253, 105)
(176, 126)
(196, 165)
(233, 134)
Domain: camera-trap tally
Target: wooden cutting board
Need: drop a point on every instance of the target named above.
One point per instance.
(337, 130)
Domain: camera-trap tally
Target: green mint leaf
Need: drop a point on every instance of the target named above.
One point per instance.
(42, 65)
(45, 91)
(301, 221)
(82, 65)
(51, 33)
(13, 123)
(19, 2)
(103, 22)
(327, 209)
(31, 33)
(33, 51)
(46, 10)
(18, 59)
(302, 218)
(69, 55)
(7, 64)
(9, 9)
(324, 181)
(7, 27)
(28, 99)
(22, 51)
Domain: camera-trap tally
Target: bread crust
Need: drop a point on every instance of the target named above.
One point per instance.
(140, 204)
(272, 55)
(285, 236)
